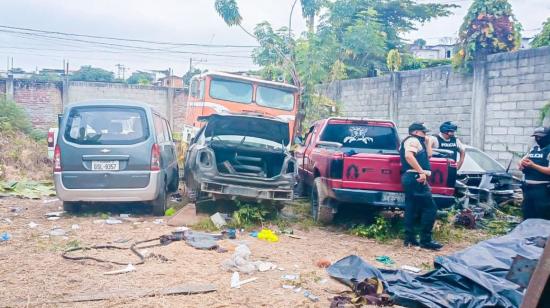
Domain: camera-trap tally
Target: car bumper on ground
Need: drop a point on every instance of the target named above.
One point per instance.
(231, 190)
(383, 198)
(147, 193)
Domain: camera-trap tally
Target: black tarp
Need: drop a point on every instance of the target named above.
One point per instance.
(473, 277)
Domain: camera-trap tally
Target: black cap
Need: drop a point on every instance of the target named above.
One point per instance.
(418, 126)
(541, 132)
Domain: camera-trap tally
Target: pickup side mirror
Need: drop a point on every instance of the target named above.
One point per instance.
(328, 144)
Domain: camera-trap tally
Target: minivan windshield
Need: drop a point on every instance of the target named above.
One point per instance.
(106, 125)
(361, 136)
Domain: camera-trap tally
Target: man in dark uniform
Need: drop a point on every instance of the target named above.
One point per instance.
(447, 140)
(415, 169)
(536, 167)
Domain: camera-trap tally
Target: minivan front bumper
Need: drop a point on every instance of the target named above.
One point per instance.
(147, 193)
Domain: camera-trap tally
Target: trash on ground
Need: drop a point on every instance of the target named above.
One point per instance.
(54, 214)
(113, 221)
(254, 233)
(57, 232)
(240, 262)
(50, 200)
(7, 220)
(98, 221)
(124, 215)
(237, 283)
(232, 233)
(75, 227)
(53, 218)
(170, 212)
(522, 270)
(201, 240)
(323, 263)
(16, 209)
(186, 216)
(32, 225)
(127, 269)
(5, 236)
(290, 277)
(158, 221)
(385, 260)
(181, 289)
(410, 268)
(218, 220)
(268, 235)
(484, 265)
(297, 237)
(310, 296)
(287, 286)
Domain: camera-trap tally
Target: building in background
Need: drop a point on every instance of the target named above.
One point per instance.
(171, 82)
(435, 52)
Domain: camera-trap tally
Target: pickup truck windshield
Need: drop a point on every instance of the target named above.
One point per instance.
(361, 136)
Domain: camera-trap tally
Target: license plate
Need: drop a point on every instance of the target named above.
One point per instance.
(105, 165)
(391, 197)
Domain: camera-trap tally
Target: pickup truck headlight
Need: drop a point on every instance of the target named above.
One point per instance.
(206, 159)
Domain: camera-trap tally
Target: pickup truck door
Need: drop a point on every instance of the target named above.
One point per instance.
(304, 166)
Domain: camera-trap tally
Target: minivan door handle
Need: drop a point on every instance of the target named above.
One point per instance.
(105, 157)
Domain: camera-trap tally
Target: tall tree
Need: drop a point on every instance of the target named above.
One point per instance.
(420, 42)
(89, 73)
(489, 27)
(139, 77)
(310, 9)
(542, 38)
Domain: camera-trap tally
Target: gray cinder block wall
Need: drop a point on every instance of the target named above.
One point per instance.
(497, 106)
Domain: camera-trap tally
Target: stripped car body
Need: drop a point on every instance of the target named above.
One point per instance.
(241, 156)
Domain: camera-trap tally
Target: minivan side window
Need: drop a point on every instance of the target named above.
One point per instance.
(159, 128)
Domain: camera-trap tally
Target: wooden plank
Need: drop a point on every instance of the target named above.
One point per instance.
(181, 289)
(539, 281)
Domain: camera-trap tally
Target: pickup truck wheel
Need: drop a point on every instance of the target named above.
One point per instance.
(320, 208)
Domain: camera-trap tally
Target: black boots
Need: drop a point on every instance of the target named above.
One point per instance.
(431, 245)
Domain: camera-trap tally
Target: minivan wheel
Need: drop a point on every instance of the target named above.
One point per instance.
(159, 204)
(71, 207)
(320, 207)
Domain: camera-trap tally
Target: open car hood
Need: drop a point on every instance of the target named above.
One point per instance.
(247, 125)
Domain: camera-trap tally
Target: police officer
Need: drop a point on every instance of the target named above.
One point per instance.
(415, 169)
(447, 140)
(536, 167)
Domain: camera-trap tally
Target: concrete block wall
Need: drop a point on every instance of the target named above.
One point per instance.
(497, 106)
(178, 109)
(518, 87)
(41, 100)
(434, 96)
(155, 96)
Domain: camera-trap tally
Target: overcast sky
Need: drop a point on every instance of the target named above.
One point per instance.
(181, 21)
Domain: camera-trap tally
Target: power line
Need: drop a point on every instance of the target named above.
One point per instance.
(129, 40)
(124, 46)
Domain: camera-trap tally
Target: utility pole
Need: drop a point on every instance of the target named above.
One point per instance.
(196, 60)
(121, 69)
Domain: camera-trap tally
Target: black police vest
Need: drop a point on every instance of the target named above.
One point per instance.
(421, 157)
(540, 157)
(451, 145)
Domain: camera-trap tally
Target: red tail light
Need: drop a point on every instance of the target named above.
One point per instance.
(57, 159)
(50, 139)
(155, 157)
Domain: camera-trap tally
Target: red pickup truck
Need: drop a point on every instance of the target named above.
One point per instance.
(357, 161)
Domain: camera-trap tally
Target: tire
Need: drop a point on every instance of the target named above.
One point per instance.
(71, 207)
(302, 189)
(160, 203)
(174, 184)
(321, 211)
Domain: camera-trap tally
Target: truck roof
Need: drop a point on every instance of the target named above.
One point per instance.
(251, 79)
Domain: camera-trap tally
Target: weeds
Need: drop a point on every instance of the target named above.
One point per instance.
(204, 225)
(248, 215)
(382, 230)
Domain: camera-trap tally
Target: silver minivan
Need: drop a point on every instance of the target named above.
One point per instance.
(114, 151)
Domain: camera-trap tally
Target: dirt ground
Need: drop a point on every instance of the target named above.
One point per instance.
(33, 273)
